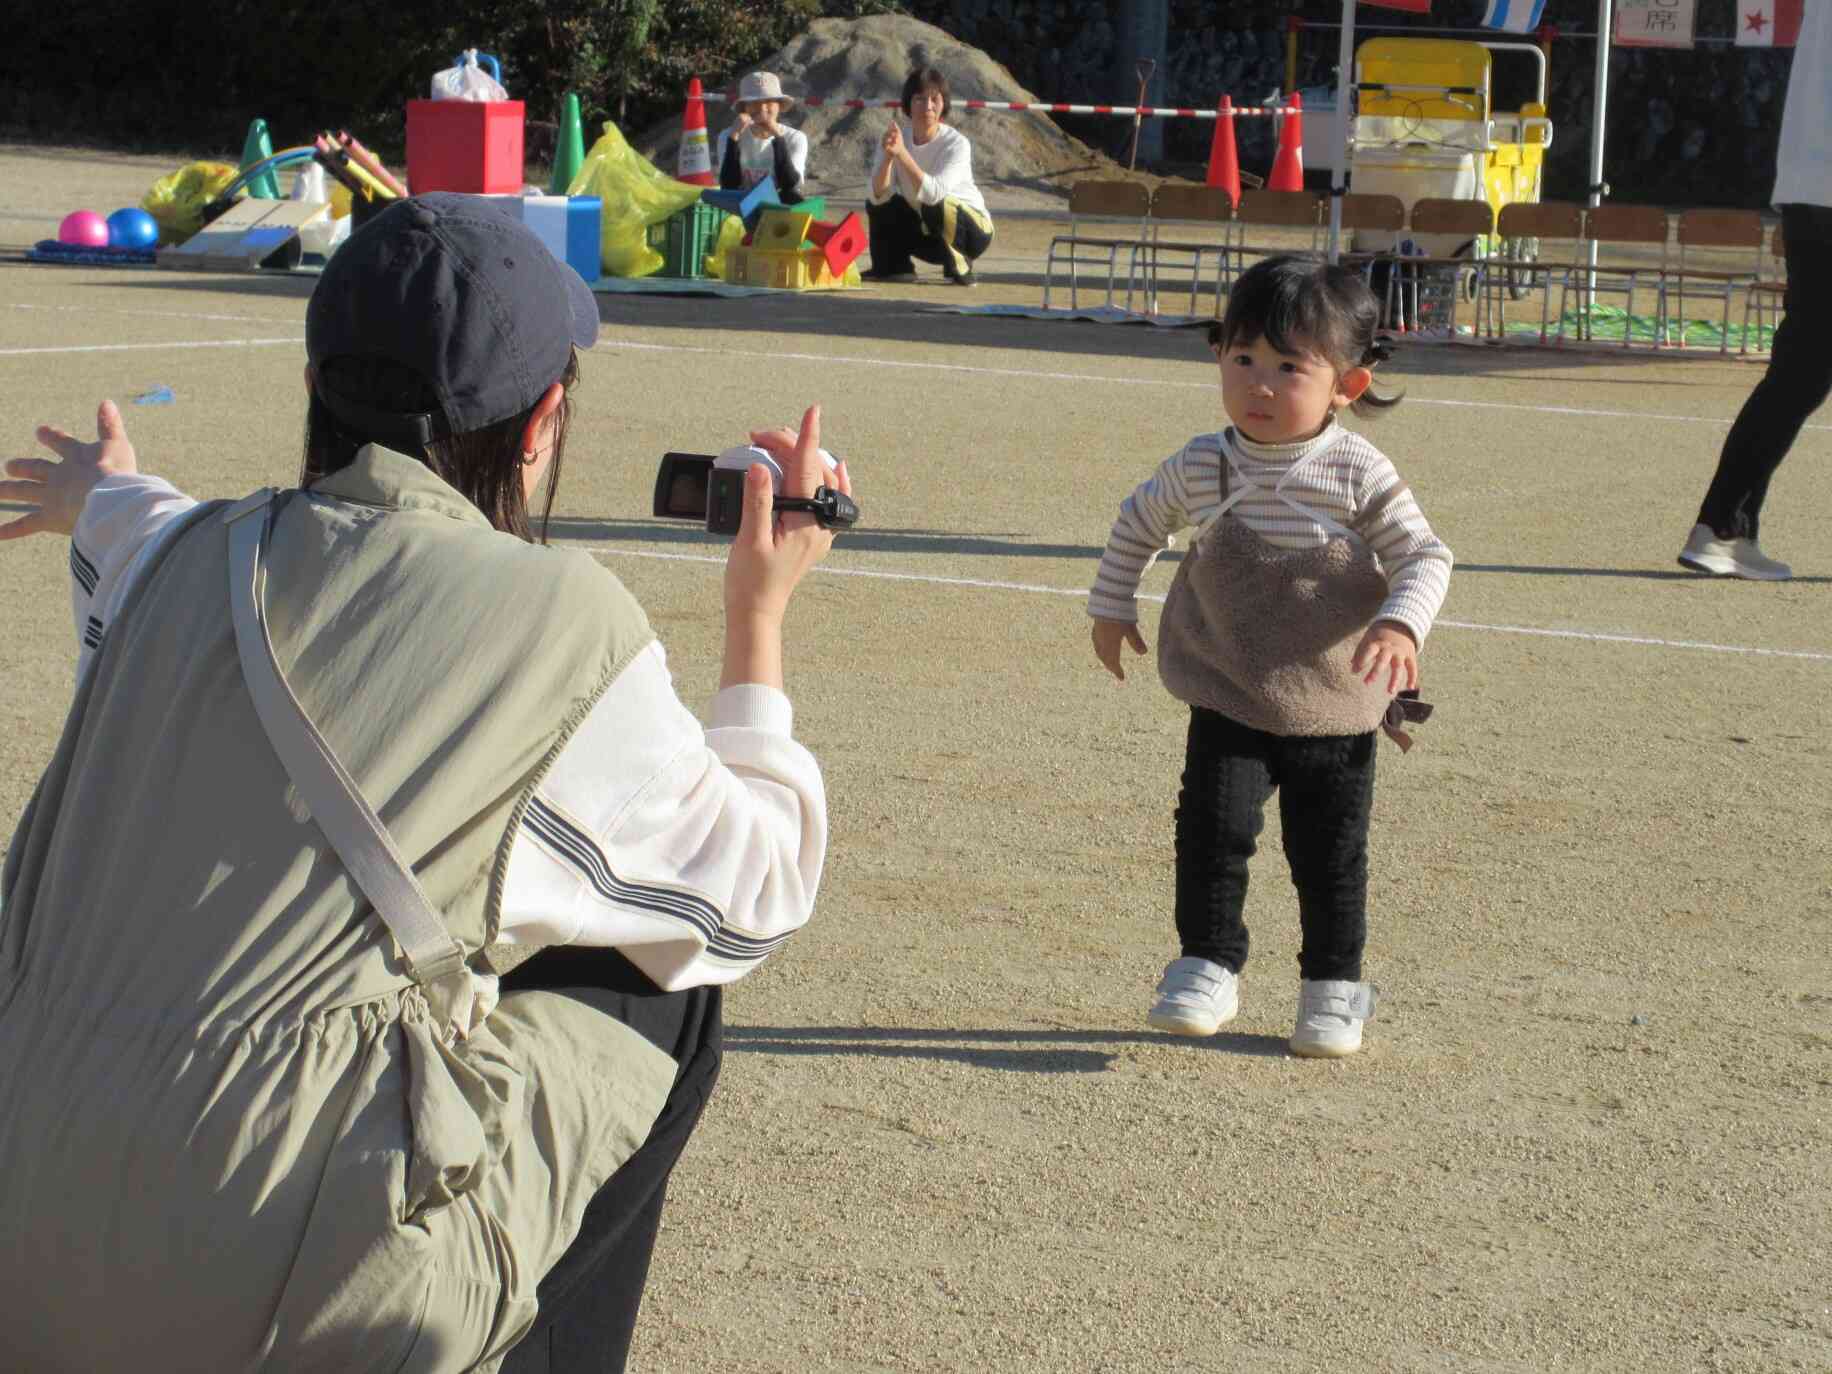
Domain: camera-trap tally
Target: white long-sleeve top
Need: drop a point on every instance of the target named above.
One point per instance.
(947, 170)
(757, 156)
(695, 852)
(1803, 163)
(1294, 496)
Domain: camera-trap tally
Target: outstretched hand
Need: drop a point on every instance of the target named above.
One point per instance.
(58, 490)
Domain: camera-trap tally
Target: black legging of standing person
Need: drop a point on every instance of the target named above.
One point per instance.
(1326, 796)
(1798, 380)
(949, 233)
(589, 1299)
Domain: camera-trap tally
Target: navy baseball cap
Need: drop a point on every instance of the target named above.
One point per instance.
(457, 290)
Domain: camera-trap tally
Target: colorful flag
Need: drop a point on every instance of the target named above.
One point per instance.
(1655, 23)
(1768, 23)
(1516, 16)
(1416, 6)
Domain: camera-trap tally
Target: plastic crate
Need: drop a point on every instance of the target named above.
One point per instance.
(786, 271)
(685, 238)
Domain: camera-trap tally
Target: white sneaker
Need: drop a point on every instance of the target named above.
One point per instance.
(1330, 1013)
(1706, 553)
(1195, 997)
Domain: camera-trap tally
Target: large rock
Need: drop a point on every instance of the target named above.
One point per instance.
(840, 59)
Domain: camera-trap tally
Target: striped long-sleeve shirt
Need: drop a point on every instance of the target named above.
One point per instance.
(1294, 496)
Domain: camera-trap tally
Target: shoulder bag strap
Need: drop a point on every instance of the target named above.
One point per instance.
(362, 842)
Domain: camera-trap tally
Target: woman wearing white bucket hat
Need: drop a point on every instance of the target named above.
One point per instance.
(758, 146)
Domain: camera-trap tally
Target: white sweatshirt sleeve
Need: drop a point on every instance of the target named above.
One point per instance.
(123, 521)
(695, 852)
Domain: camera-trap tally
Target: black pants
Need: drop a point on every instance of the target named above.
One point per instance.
(947, 234)
(1326, 792)
(589, 1299)
(1798, 380)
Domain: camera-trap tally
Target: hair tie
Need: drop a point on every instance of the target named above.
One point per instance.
(1380, 351)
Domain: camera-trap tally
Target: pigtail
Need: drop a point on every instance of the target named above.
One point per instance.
(1370, 403)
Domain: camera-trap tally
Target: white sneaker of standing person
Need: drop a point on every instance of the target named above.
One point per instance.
(1706, 553)
(1195, 997)
(1330, 1016)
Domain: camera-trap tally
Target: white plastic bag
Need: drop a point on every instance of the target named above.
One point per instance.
(469, 81)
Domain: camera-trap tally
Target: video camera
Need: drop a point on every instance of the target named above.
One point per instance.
(702, 486)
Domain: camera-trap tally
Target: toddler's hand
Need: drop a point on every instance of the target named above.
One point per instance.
(1388, 645)
(1108, 636)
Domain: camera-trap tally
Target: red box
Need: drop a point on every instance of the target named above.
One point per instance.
(464, 145)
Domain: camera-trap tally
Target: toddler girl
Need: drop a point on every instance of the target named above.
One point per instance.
(1293, 622)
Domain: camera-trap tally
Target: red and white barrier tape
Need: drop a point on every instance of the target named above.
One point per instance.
(1145, 111)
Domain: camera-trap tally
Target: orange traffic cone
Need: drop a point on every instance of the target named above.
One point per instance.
(1288, 164)
(1224, 162)
(695, 161)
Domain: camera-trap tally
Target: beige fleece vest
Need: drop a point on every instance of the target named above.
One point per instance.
(1264, 635)
(230, 1137)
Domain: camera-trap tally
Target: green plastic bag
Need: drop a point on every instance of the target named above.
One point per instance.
(176, 202)
(635, 195)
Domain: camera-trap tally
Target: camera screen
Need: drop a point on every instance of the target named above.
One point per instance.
(687, 494)
(681, 486)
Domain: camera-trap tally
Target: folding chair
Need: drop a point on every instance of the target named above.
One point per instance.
(1768, 292)
(1277, 210)
(1526, 230)
(1174, 204)
(1423, 292)
(1739, 230)
(1103, 200)
(1373, 214)
(1620, 226)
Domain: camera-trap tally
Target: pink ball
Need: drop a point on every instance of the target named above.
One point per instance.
(83, 229)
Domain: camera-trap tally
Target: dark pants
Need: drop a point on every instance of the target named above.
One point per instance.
(589, 1299)
(1797, 382)
(946, 234)
(1326, 793)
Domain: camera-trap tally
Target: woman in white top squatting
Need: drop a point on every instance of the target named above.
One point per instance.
(922, 202)
(1291, 627)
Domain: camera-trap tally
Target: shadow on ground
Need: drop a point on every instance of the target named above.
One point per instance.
(1026, 1051)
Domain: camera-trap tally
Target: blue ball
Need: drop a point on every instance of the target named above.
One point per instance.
(132, 228)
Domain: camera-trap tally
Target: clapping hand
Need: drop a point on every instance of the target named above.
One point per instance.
(893, 140)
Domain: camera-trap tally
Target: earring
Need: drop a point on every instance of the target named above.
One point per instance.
(529, 459)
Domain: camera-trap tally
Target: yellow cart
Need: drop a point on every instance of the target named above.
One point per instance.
(1426, 128)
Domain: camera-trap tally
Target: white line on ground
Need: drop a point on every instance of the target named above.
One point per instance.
(827, 359)
(1590, 636)
(141, 347)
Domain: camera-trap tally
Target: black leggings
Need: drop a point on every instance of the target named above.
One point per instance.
(1326, 794)
(1798, 380)
(589, 1299)
(949, 234)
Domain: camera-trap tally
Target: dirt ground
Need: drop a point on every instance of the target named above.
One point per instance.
(1589, 1130)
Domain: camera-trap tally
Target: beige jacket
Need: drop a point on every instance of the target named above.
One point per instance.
(229, 1137)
